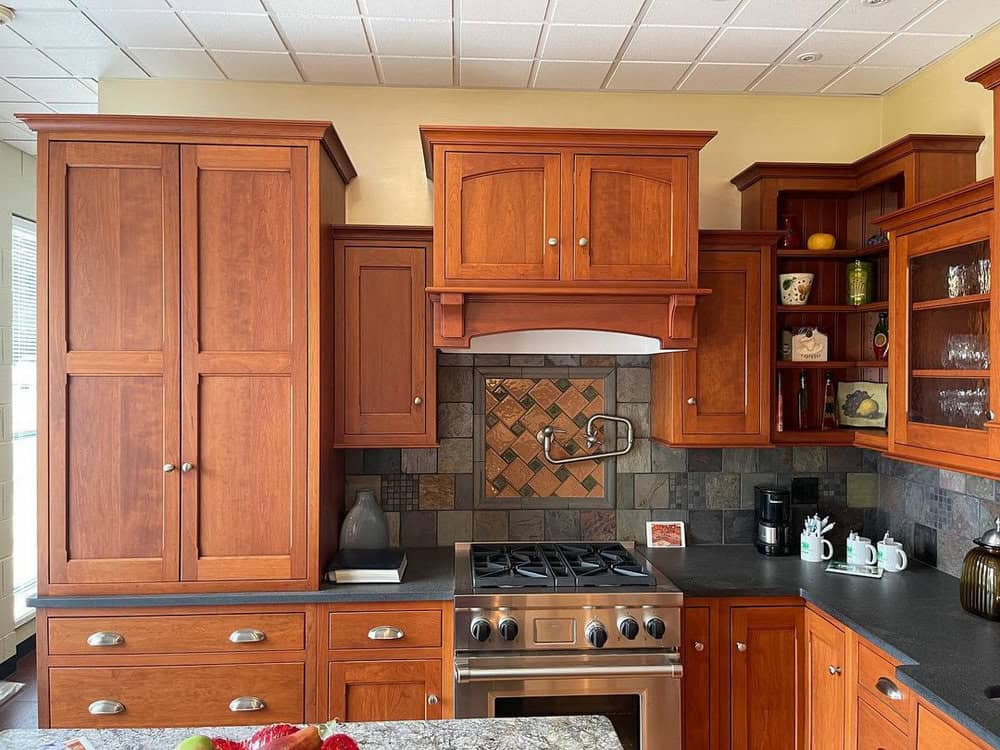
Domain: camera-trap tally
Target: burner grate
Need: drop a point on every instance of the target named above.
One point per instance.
(556, 565)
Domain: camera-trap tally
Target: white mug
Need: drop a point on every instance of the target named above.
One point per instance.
(860, 550)
(891, 556)
(814, 548)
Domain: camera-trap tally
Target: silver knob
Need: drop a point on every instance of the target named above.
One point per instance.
(247, 635)
(582, 242)
(692, 401)
(417, 400)
(834, 670)
(167, 468)
(741, 646)
(186, 467)
(432, 700)
(553, 241)
(699, 646)
(246, 703)
(105, 638)
(990, 415)
(105, 708)
(385, 633)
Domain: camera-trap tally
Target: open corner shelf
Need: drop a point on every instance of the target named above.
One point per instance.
(873, 439)
(787, 364)
(806, 309)
(881, 248)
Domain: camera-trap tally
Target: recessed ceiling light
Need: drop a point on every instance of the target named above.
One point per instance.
(810, 57)
(873, 3)
(6, 15)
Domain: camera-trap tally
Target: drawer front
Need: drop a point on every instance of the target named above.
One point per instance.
(176, 696)
(405, 629)
(933, 733)
(176, 634)
(877, 676)
(875, 732)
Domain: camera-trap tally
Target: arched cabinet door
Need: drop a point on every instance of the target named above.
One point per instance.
(501, 216)
(630, 218)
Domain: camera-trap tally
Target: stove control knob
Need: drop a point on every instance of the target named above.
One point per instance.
(507, 628)
(597, 636)
(655, 627)
(628, 627)
(480, 629)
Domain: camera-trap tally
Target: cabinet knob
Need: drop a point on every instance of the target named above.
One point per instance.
(553, 241)
(186, 467)
(247, 635)
(417, 400)
(889, 689)
(105, 708)
(692, 401)
(105, 638)
(583, 242)
(167, 468)
(741, 646)
(385, 633)
(834, 670)
(246, 703)
(432, 700)
(699, 646)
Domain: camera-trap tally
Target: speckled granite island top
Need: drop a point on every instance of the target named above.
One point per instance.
(559, 733)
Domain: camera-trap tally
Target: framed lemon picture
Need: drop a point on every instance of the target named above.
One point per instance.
(862, 404)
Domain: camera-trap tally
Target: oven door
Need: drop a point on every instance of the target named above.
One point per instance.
(639, 692)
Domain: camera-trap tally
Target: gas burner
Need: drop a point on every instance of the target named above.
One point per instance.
(556, 565)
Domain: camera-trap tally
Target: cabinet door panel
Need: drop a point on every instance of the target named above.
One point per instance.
(113, 366)
(826, 689)
(385, 691)
(244, 375)
(632, 213)
(697, 678)
(767, 693)
(500, 211)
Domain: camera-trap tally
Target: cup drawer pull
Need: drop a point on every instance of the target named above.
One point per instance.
(105, 708)
(385, 633)
(888, 688)
(247, 635)
(246, 703)
(105, 638)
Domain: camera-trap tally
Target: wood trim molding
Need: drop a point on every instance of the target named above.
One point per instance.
(987, 76)
(382, 233)
(732, 239)
(965, 201)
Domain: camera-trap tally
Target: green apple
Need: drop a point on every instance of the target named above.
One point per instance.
(197, 742)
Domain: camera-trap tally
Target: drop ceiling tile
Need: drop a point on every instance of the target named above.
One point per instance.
(868, 80)
(402, 38)
(9, 93)
(839, 47)
(357, 69)
(721, 77)
(647, 76)
(14, 131)
(890, 16)
(511, 10)
(417, 71)
(56, 89)
(9, 39)
(959, 17)
(409, 8)
(136, 28)
(96, 63)
(9, 109)
(258, 66)
(59, 29)
(668, 43)
(27, 62)
(223, 6)
(566, 74)
(123, 4)
(690, 12)
(345, 36)
(68, 108)
(596, 11)
(583, 42)
(29, 147)
(45, 5)
(798, 79)
(235, 31)
(499, 40)
(787, 14)
(913, 50)
(178, 63)
(751, 45)
(325, 8)
(495, 73)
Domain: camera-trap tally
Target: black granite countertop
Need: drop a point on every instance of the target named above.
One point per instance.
(949, 656)
(429, 576)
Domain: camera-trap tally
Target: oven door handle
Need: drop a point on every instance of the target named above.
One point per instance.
(465, 673)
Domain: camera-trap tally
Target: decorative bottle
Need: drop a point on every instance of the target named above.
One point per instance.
(880, 338)
(365, 526)
(780, 427)
(803, 403)
(829, 407)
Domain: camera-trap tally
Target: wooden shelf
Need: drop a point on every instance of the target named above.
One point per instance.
(804, 309)
(874, 439)
(938, 304)
(952, 374)
(787, 364)
(835, 254)
(839, 436)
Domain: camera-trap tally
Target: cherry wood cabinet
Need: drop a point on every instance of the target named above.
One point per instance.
(181, 413)
(717, 394)
(827, 678)
(386, 362)
(385, 690)
(700, 686)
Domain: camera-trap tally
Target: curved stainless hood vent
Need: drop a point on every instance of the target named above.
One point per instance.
(551, 341)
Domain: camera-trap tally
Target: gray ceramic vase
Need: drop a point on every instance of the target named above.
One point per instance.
(365, 526)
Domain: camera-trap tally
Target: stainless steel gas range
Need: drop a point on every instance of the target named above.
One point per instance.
(556, 628)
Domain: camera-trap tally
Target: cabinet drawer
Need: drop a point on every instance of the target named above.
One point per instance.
(176, 634)
(409, 629)
(188, 696)
(877, 676)
(933, 733)
(875, 732)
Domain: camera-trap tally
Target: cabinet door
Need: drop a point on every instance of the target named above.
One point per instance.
(826, 701)
(630, 218)
(113, 380)
(875, 732)
(385, 690)
(767, 685)
(501, 216)
(723, 392)
(697, 678)
(244, 368)
(385, 364)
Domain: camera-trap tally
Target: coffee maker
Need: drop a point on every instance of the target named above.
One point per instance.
(772, 520)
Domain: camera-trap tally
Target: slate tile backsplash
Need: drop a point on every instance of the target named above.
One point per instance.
(429, 495)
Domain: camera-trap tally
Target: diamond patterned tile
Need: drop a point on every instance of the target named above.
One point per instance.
(545, 393)
(544, 483)
(509, 410)
(499, 437)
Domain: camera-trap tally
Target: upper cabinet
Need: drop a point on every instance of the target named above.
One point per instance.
(181, 413)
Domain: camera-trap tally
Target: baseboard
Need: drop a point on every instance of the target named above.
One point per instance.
(26, 647)
(9, 666)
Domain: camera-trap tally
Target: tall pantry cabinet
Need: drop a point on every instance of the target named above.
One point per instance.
(185, 415)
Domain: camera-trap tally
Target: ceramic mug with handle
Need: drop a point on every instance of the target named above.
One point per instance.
(814, 548)
(860, 550)
(891, 556)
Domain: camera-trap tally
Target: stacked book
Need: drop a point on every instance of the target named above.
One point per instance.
(367, 566)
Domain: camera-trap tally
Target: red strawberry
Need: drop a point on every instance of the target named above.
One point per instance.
(265, 736)
(339, 742)
(221, 743)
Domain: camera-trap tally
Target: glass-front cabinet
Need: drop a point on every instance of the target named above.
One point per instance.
(943, 383)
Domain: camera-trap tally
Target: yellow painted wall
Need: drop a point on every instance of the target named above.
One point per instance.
(379, 128)
(938, 99)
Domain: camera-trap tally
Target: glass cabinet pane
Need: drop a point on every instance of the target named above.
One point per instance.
(950, 338)
(956, 272)
(950, 402)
